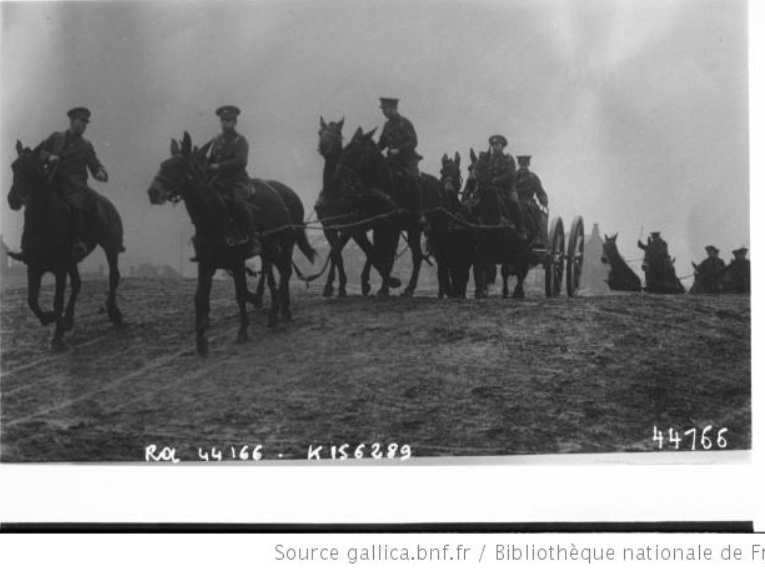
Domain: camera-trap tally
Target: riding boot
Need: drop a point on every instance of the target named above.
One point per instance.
(80, 250)
(256, 248)
(514, 207)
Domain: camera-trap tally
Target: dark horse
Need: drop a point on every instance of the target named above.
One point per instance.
(659, 269)
(620, 275)
(458, 244)
(184, 176)
(47, 242)
(333, 214)
(365, 180)
(496, 242)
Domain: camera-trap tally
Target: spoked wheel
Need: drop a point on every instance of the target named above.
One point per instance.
(556, 259)
(575, 256)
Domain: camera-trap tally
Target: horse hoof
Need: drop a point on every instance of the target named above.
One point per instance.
(327, 292)
(203, 349)
(48, 317)
(342, 293)
(519, 295)
(59, 346)
(394, 282)
(242, 337)
(365, 289)
(407, 293)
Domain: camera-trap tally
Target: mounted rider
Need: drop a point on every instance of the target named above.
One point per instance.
(739, 272)
(529, 187)
(497, 170)
(400, 140)
(658, 246)
(710, 271)
(228, 155)
(69, 157)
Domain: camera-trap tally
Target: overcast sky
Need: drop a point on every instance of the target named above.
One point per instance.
(635, 111)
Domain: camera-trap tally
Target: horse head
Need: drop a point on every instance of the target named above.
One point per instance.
(184, 166)
(451, 176)
(359, 162)
(331, 138)
(610, 251)
(29, 177)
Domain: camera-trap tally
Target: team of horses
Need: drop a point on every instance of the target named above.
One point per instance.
(361, 195)
(660, 275)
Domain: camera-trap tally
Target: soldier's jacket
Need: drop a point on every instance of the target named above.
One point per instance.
(231, 153)
(711, 267)
(740, 276)
(398, 133)
(497, 170)
(76, 157)
(528, 185)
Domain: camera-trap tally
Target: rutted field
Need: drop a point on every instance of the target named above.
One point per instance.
(447, 377)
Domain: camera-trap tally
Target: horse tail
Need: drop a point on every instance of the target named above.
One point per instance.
(302, 243)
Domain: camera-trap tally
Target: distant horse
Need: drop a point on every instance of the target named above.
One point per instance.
(332, 213)
(620, 276)
(48, 239)
(185, 176)
(659, 268)
(497, 242)
(458, 244)
(365, 180)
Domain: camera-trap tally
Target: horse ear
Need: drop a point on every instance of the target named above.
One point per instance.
(371, 133)
(174, 147)
(340, 123)
(322, 122)
(605, 236)
(19, 147)
(457, 158)
(615, 235)
(186, 143)
(473, 158)
(444, 159)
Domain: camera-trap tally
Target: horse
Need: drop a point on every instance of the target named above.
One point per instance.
(659, 268)
(496, 242)
(620, 276)
(331, 213)
(47, 242)
(458, 247)
(184, 176)
(364, 179)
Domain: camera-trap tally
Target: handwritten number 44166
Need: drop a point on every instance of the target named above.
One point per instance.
(707, 439)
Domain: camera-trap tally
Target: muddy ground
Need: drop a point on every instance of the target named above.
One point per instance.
(446, 377)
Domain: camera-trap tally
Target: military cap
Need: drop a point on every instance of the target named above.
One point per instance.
(386, 102)
(655, 234)
(524, 160)
(498, 138)
(228, 112)
(79, 113)
(712, 249)
(741, 251)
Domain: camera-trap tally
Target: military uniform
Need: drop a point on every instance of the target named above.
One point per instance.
(76, 156)
(739, 272)
(528, 186)
(710, 271)
(230, 151)
(399, 134)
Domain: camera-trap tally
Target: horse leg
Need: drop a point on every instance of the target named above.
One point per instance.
(58, 307)
(202, 305)
(339, 241)
(34, 280)
(285, 273)
(479, 277)
(413, 236)
(329, 288)
(257, 299)
(505, 276)
(240, 284)
(74, 276)
(522, 271)
(365, 277)
(114, 313)
(273, 314)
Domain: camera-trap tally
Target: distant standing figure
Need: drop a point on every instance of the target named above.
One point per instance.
(69, 157)
(739, 273)
(709, 273)
(400, 140)
(228, 154)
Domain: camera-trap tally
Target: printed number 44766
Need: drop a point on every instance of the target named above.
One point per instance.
(707, 439)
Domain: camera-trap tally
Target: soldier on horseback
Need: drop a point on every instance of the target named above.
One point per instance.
(400, 140)
(69, 157)
(528, 186)
(228, 155)
(497, 170)
(739, 272)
